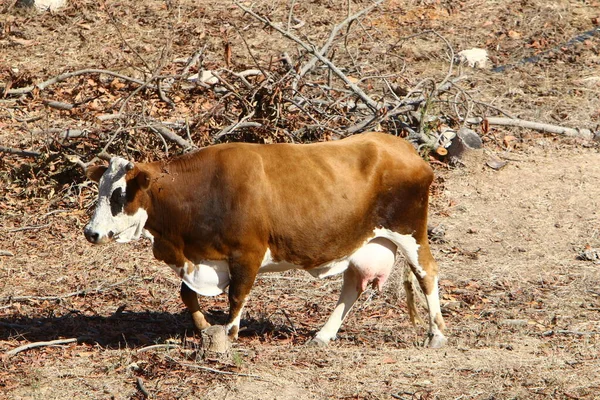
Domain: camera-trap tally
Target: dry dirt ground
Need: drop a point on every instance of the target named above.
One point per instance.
(523, 312)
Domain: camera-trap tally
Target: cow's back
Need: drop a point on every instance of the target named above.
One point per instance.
(320, 202)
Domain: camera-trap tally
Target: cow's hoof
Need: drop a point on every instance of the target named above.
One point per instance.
(436, 341)
(200, 323)
(317, 342)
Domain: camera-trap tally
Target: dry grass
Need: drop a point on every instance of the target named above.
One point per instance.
(512, 236)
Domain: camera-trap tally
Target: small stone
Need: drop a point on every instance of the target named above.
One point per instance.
(475, 58)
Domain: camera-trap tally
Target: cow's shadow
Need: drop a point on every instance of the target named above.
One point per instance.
(120, 330)
(123, 329)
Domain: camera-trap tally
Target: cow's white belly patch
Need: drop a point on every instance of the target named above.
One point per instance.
(373, 262)
(208, 278)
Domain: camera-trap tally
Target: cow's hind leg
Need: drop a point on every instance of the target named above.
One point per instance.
(371, 264)
(426, 270)
(350, 292)
(410, 282)
(190, 299)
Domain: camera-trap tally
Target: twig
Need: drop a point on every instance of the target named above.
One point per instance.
(239, 124)
(334, 32)
(290, 15)
(72, 294)
(311, 49)
(251, 55)
(6, 253)
(167, 346)
(232, 89)
(62, 77)
(289, 320)
(59, 105)
(217, 371)
(162, 95)
(493, 107)
(29, 228)
(569, 332)
(126, 42)
(193, 60)
(142, 388)
(19, 349)
(538, 126)
(26, 153)
(107, 117)
(172, 136)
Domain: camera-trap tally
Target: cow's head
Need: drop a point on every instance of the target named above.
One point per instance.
(120, 212)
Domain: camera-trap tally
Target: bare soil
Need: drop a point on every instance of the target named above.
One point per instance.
(523, 312)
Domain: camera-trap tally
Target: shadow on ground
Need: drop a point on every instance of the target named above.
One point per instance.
(129, 329)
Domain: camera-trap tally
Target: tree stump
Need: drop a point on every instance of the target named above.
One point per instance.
(215, 342)
(466, 148)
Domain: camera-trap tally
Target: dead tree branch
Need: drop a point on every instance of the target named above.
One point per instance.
(537, 126)
(312, 50)
(172, 136)
(84, 292)
(24, 153)
(67, 75)
(34, 345)
(334, 32)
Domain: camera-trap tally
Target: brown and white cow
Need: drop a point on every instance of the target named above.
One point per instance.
(224, 214)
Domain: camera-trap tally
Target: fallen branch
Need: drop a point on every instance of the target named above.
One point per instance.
(537, 126)
(334, 32)
(25, 153)
(569, 332)
(216, 371)
(166, 346)
(311, 49)
(172, 136)
(65, 76)
(72, 294)
(34, 345)
(29, 228)
(142, 388)
(59, 105)
(239, 124)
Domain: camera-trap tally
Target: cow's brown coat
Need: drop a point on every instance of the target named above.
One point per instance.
(308, 204)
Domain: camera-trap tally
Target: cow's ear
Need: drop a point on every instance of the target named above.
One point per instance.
(143, 179)
(95, 172)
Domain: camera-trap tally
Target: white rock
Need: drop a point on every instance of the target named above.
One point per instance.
(204, 76)
(43, 5)
(476, 58)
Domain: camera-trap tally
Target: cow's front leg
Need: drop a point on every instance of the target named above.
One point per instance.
(243, 273)
(190, 299)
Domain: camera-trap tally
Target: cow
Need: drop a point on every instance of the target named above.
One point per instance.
(225, 213)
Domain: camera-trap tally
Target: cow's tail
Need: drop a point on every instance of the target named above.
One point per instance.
(411, 287)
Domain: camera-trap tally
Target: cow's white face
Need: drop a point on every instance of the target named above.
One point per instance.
(113, 219)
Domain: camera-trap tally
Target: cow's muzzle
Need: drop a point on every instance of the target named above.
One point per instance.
(95, 237)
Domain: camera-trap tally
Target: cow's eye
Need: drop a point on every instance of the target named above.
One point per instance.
(117, 201)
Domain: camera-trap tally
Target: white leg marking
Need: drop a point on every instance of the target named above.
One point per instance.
(436, 338)
(347, 298)
(236, 322)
